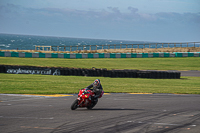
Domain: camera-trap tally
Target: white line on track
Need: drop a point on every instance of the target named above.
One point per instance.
(8, 117)
(20, 100)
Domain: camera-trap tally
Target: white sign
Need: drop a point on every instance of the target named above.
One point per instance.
(24, 71)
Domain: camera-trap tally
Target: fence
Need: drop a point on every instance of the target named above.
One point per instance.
(116, 46)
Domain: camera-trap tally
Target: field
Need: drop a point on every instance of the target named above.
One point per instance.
(44, 84)
(189, 63)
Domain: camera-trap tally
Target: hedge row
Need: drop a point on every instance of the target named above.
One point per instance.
(89, 72)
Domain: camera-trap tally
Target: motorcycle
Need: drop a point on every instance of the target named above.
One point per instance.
(85, 99)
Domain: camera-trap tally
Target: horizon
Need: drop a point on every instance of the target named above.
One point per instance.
(73, 37)
(97, 38)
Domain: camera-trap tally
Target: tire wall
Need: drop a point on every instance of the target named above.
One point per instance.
(89, 72)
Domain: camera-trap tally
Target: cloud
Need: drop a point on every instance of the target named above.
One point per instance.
(109, 14)
(177, 17)
(132, 9)
(114, 9)
(113, 13)
(110, 22)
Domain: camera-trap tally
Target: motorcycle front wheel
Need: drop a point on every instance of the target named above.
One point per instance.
(74, 105)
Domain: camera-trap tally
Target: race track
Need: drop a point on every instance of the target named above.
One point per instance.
(119, 113)
(190, 73)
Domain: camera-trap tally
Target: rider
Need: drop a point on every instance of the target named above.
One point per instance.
(97, 88)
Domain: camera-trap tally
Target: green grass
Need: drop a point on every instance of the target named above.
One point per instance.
(45, 84)
(189, 63)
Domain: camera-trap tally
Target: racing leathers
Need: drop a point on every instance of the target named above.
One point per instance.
(97, 90)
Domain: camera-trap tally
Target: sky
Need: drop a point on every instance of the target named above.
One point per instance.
(135, 20)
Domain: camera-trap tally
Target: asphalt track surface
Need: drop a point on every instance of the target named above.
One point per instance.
(118, 113)
(190, 73)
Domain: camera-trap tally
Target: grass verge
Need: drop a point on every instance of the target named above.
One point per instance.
(188, 63)
(45, 84)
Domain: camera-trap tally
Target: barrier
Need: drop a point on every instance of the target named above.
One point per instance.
(89, 72)
(117, 46)
(97, 55)
(29, 70)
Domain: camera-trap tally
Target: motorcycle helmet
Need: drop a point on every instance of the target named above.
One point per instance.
(97, 83)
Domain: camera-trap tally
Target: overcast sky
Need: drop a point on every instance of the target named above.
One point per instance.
(136, 20)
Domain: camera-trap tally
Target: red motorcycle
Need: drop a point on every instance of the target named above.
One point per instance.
(85, 99)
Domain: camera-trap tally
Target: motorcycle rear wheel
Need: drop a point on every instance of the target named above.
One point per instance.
(92, 105)
(74, 105)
